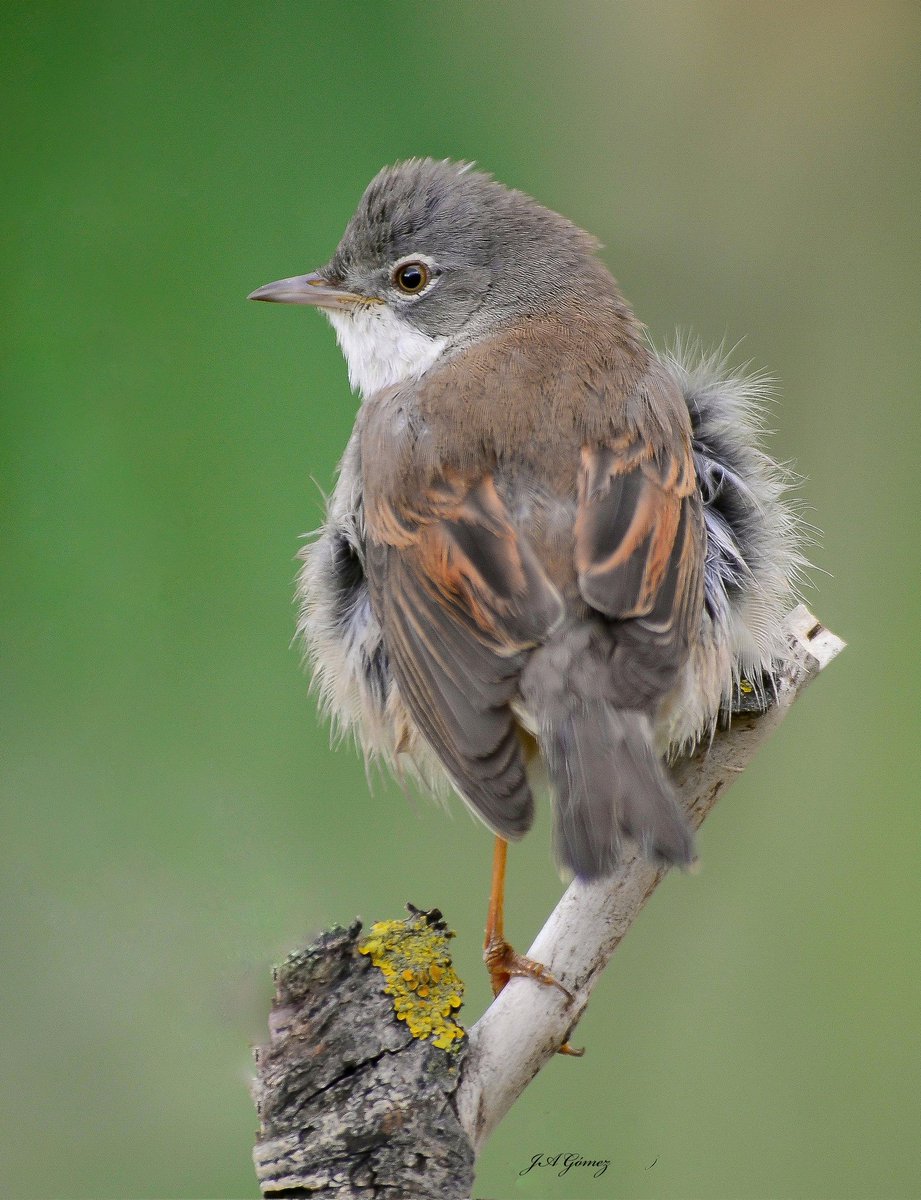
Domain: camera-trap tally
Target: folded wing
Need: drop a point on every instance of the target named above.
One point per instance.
(461, 599)
(639, 558)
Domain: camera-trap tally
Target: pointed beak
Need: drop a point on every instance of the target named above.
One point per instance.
(313, 289)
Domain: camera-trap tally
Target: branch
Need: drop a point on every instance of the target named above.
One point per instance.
(525, 1026)
(368, 1087)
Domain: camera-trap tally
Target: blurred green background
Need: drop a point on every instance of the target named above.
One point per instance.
(173, 818)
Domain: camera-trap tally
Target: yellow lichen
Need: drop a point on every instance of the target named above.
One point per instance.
(413, 957)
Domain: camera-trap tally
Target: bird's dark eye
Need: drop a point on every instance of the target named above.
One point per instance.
(411, 277)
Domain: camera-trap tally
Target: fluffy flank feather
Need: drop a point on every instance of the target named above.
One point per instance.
(343, 646)
(755, 534)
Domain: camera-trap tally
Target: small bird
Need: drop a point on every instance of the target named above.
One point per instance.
(549, 546)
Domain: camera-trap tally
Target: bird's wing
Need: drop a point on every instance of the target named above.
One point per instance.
(460, 598)
(639, 555)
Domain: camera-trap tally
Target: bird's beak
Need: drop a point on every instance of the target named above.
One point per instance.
(314, 289)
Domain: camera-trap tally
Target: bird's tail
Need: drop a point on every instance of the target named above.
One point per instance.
(610, 783)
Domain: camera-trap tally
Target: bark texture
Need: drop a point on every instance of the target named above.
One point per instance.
(351, 1103)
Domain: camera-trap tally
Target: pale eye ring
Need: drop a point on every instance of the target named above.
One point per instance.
(411, 277)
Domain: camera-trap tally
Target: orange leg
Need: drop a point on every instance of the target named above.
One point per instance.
(502, 962)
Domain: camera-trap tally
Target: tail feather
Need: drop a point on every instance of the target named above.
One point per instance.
(611, 784)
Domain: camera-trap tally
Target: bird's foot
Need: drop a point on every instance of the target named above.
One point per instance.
(503, 961)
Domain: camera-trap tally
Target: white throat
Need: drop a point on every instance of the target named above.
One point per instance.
(381, 350)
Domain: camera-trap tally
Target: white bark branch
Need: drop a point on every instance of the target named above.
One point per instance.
(524, 1027)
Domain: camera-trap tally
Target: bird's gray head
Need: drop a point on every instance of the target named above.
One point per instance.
(436, 256)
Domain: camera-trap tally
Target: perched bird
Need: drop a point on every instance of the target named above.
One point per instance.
(548, 544)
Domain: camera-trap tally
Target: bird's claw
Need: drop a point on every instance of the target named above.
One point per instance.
(502, 962)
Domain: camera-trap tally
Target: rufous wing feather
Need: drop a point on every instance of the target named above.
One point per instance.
(461, 598)
(639, 553)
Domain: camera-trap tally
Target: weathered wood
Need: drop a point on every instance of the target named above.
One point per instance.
(351, 1103)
